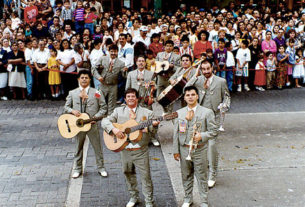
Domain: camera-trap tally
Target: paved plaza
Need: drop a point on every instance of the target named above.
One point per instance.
(261, 158)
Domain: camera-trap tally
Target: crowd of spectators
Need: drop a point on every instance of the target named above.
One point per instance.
(253, 47)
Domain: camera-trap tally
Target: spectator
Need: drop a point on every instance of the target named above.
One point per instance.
(282, 58)
(202, 45)
(260, 73)
(271, 69)
(155, 45)
(16, 68)
(54, 76)
(79, 17)
(30, 12)
(243, 57)
(298, 70)
(290, 50)
(3, 74)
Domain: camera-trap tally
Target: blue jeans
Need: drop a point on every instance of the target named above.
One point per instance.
(29, 80)
(79, 27)
(221, 74)
(229, 77)
(90, 26)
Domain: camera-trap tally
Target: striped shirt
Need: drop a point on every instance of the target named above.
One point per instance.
(79, 14)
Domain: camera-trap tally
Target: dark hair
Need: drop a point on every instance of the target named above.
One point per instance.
(189, 88)
(85, 72)
(184, 38)
(113, 47)
(53, 49)
(176, 48)
(228, 44)
(140, 56)
(131, 90)
(203, 32)
(205, 62)
(61, 44)
(268, 53)
(169, 42)
(221, 40)
(149, 52)
(245, 42)
(123, 35)
(187, 56)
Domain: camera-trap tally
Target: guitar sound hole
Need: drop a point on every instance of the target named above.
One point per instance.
(67, 123)
(80, 123)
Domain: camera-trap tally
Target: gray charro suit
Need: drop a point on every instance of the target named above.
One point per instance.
(162, 81)
(198, 165)
(134, 159)
(132, 82)
(211, 98)
(94, 107)
(109, 87)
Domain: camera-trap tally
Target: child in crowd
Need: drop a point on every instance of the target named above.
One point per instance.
(176, 50)
(54, 77)
(298, 71)
(210, 56)
(220, 57)
(98, 33)
(107, 36)
(66, 13)
(79, 17)
(230, 65)
(150, 60)
(185, 49)
(15, 21)
(290, 50)
(260, 74)
(90, 18)
(271, 69)
(282, 64)
(243, 57)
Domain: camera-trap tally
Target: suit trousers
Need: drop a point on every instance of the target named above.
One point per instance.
(212, 152)
(110, 93)
(94, 137)
(197, 166)
(137, 159)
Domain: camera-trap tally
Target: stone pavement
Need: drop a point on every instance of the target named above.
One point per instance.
(260, 157)
(35, 162)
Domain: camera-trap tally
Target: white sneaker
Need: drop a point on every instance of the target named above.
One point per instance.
(76, 175)
(103, 173)
(262, 89)
(211, 183)
(4, 98)
(155, 143)
(257, 88)
(186, 204)
(239, 88)
(246, 87)
(288, 84)
(221, 129)
(132, 202)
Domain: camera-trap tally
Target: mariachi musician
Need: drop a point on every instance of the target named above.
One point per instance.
(143, 81)
(174, 63)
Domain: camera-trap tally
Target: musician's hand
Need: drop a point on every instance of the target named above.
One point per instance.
(93, 122)
(101, 79)
(197, 137)
(197, 72)
(172, 82)
(125, 69)
(177, 157)
(118, 133)
(171, 65)
(76, 113)
(155, 123)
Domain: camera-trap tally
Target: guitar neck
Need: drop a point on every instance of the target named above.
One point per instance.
(145, 124)
(93, 119)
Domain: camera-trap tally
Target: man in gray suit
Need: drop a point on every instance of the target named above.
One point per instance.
(213, 91)
(87, 100)
(135, 155)
(188, 117)
(174, 63)
(107, 73)
(141, 80)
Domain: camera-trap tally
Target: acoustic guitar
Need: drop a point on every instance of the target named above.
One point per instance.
(69, 125)
(160, 66)
(132, 131)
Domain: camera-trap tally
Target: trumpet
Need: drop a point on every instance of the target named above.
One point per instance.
(192, 143)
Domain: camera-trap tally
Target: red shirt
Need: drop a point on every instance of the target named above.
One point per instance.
(200, 47)
(30, 14)
(156, 48)
(90, 18)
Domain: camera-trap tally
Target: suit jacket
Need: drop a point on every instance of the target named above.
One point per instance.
(93, 106)
(110, 78)
(174, 59)
(202, 115)
(216, 93)
(132, 81)
(121, 115)
(180, 71)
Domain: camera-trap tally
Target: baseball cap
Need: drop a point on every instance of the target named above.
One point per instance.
(144, 28)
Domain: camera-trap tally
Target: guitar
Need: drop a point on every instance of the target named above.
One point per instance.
(160, 66)
(70, 125)
(133, 132)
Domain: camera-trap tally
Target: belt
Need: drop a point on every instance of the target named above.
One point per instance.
(41, 65)
(132, 149)
(198, 146)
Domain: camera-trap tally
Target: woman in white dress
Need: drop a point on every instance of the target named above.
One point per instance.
(16, 68)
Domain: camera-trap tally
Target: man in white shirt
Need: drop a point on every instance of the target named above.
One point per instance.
(95, 58)
(243, 57)
(40, 60)
(29, 69)
(143, 36)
